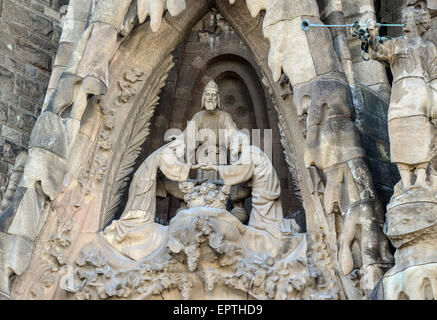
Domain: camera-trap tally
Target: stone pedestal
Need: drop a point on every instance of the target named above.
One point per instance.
(411, 226)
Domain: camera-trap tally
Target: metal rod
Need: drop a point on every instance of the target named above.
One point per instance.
(306, 25)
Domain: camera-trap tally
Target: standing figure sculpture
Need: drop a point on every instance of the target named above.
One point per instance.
(133, 232)
(411, 130)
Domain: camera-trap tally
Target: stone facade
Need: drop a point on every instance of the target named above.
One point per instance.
(29, 37)
(95, 192)
(371, 107)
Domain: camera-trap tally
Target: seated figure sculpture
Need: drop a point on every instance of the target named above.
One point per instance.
(204, 243)
(213, 129)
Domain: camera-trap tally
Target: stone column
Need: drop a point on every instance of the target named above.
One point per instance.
(412, 229)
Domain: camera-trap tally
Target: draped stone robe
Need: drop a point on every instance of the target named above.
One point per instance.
(266, 211)
(135, 234)
(413, 63)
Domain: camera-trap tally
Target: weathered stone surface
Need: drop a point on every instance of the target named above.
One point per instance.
(299, 64)
(27, 46)
(111, 12)
(370, 73)
(324, 57)
(6, 79)
(11, 150)
(10, 209)
(29, 225)
(10, 134)
(411, 227)
(64, 54)
(34, 22)
(181, 19)
(46, 168)
(49, 133)
(302, 56)
(414, 283)
(329, 124)
(30, 89)
(15, 254)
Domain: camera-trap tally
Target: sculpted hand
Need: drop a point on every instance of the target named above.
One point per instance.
(197, 166)
(373, 27)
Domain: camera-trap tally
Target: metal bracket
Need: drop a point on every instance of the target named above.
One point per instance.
(306, 25)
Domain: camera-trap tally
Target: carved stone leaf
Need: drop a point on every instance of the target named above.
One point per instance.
(290, 159)
(133, 139)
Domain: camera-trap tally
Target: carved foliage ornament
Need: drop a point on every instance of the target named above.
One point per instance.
(53, 257)
(128, 90)
(133, 138)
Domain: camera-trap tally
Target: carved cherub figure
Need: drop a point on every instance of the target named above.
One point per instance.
(413, 63)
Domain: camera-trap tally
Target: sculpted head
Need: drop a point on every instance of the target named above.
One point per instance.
(211, 97)
(415, 20)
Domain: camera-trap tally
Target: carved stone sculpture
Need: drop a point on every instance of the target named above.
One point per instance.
(135, 234)
(335, 159)
(212, 126)
(411, 213)
(411, 59)
(205, 251)
(253, 164)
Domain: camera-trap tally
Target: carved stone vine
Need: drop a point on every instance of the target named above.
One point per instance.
(128, 91)
(323, 269)
(53, 257)
(199, 253)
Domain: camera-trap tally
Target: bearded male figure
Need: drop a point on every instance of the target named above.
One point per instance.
(211, 129)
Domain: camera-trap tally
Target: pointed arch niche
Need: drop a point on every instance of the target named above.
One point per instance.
(225, 44)
(213, 51)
